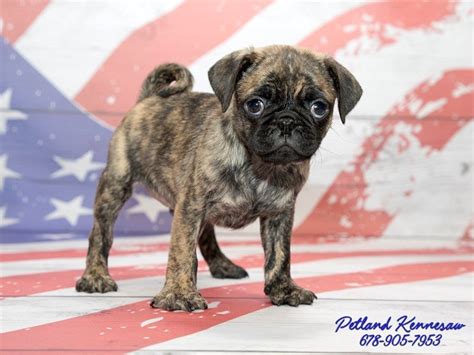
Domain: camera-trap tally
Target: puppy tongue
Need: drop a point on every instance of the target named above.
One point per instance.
(173, 83)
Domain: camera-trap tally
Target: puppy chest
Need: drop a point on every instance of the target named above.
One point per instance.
(240, 205)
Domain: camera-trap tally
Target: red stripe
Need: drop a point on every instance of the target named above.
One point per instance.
(119, 329)
(372, 22)
(18, 15)
(26, 285)
(183, 35)
(430, 132)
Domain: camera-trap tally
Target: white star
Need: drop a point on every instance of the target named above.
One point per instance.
(5, 172)
(79, 167)
(4, 221)
(69, 210)
(6, 113)
(149, 206)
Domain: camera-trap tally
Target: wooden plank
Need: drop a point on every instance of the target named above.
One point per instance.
(312, 328)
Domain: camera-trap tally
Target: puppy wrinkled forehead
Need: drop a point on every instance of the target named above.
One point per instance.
(283, 68)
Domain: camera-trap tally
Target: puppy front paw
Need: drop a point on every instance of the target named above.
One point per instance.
(96, 282)
(174, 299)
(290, 294)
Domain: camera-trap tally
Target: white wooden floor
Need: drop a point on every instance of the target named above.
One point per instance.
(432, 281)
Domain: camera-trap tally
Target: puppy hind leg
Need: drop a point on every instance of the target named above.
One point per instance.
(112, 192)
(221, 266)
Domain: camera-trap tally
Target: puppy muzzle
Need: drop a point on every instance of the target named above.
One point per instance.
(286, 125)
(284, 138)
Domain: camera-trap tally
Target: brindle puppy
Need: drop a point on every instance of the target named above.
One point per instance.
(224, 159)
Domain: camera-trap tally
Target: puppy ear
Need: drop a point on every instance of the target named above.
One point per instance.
(347, 88)
(225, 74)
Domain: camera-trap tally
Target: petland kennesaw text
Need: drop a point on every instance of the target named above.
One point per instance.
(402, 324)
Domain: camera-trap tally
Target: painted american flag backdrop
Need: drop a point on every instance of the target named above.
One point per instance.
(384, 225)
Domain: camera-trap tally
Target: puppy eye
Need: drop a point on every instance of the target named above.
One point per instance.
(254, 107)
(319, 108)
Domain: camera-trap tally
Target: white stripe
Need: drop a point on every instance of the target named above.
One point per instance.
(120, 242)
(70, 40)
(312, 328)
(23, 312)
(441, 203)
(286, 22)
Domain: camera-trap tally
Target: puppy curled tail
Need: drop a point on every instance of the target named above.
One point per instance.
(166, 80)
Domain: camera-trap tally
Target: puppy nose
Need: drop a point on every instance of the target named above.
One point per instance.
(286, 124)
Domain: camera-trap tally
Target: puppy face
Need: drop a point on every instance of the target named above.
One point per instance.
(285, 106)
(282, 99)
